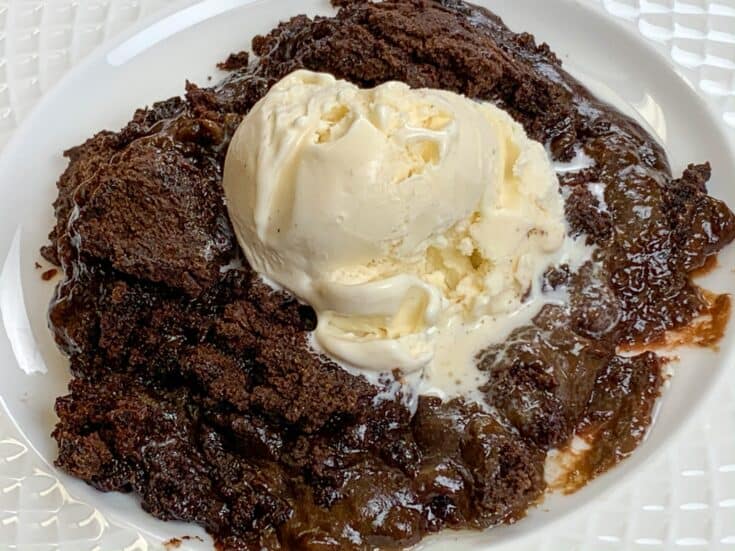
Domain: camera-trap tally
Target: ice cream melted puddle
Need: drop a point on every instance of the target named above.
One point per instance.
(453, 371)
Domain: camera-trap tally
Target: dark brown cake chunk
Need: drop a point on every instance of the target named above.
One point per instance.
(155, 215)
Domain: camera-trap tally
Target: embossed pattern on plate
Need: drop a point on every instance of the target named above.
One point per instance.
(684, 500)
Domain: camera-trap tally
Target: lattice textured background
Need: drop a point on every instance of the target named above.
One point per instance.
(686, 500)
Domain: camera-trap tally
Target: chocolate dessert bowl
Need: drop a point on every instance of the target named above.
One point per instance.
(197, 386)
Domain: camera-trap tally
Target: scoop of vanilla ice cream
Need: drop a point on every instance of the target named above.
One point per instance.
(392, 211)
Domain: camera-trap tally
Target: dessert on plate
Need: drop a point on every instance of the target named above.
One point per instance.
(372, 284)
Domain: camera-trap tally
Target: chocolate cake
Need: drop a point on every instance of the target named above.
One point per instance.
(194, 386)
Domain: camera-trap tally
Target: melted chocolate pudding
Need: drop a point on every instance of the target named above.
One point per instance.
(194, 386)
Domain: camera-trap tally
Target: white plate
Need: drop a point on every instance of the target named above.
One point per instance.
(145, 66)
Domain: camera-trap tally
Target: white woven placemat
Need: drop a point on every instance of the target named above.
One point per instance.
(684, 500)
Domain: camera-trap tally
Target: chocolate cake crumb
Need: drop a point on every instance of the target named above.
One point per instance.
(235, 61)
(194, 386)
